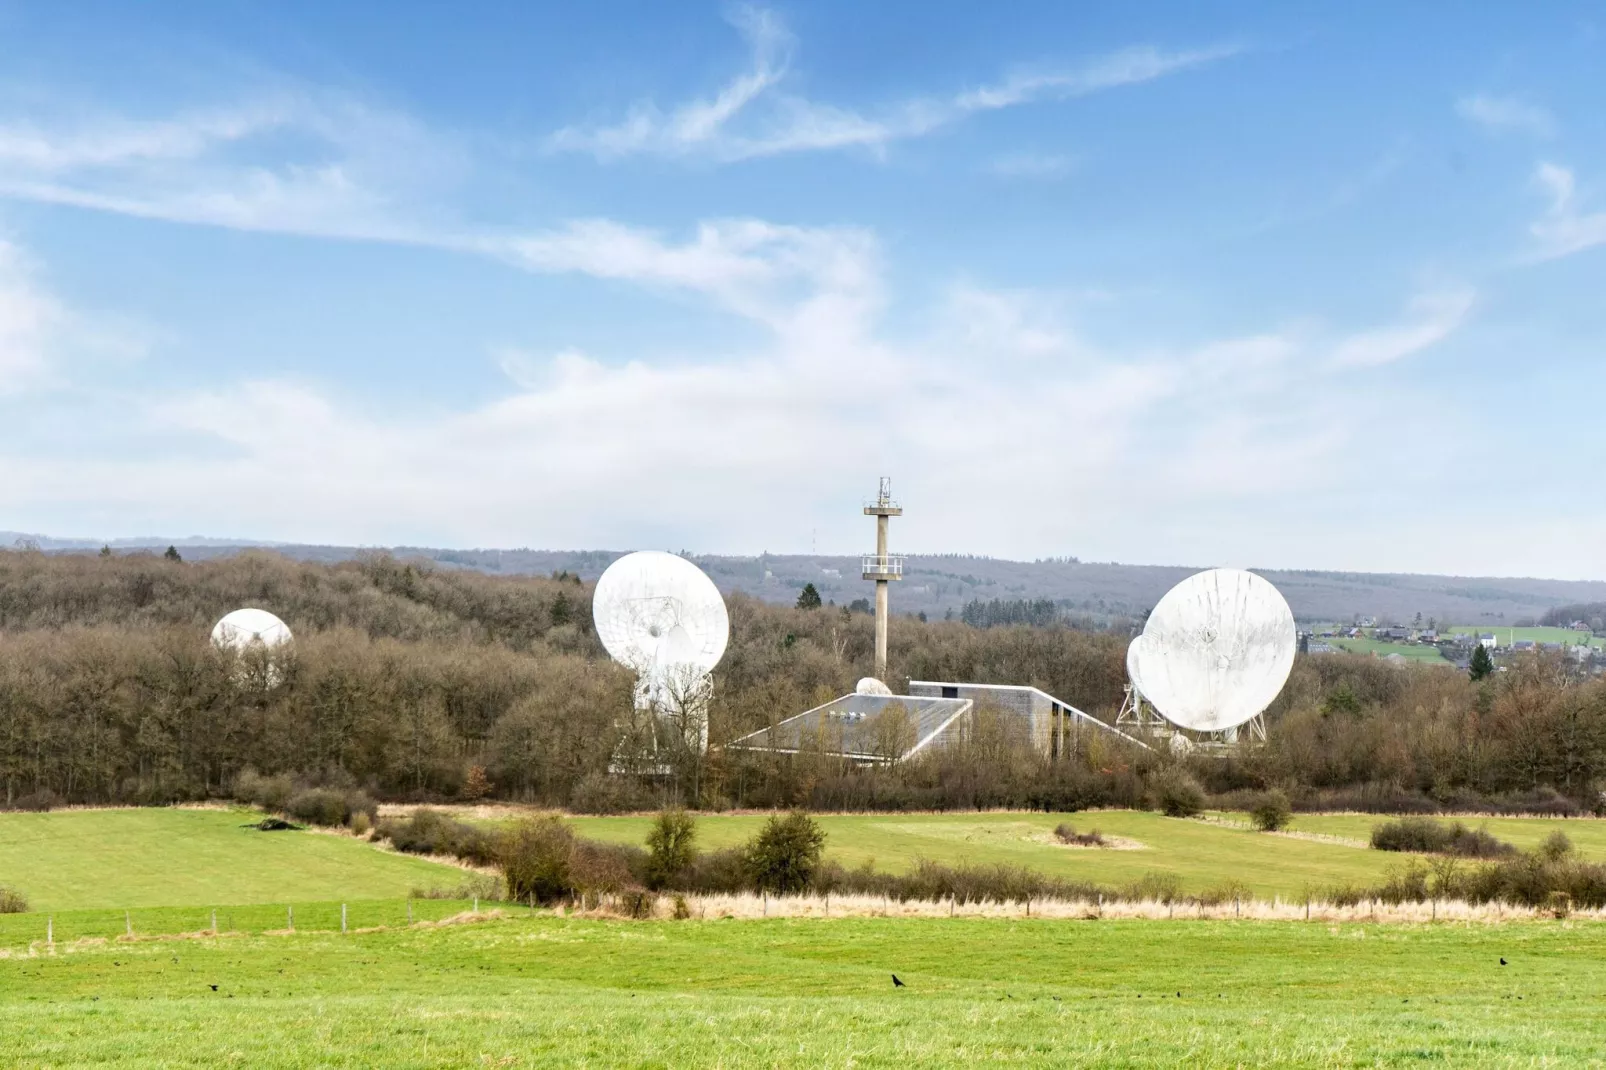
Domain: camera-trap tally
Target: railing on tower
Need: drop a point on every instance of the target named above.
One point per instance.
(882, 566)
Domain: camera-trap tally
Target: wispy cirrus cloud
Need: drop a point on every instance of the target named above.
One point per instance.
(1430, 318)
(752, 115)
(1563, 229)
(29, 319)
(1502, 115)
(314, 163)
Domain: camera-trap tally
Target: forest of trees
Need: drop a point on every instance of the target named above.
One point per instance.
(421, 682)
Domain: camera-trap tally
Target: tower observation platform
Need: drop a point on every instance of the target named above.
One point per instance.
(882, 567)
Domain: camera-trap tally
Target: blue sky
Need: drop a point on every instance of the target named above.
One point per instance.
(1239, 284)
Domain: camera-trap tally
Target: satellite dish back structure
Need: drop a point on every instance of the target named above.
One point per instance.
(1215, 652)
(662, 617)
(247, 631)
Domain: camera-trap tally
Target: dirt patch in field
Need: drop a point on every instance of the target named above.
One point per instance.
(1111, 843)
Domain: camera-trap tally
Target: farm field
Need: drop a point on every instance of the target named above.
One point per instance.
(76, 859)
(1427, 655)
(545, 991)
(1587, 834)
(1507, 636)
(1203, 852)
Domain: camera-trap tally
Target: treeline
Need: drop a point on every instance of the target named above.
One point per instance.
(1036, 612)
(414, 682)
(1591, 613)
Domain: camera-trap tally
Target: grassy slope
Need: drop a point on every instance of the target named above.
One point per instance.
(784, 993)
(1539, 635)
(1203, 853)
(132, 858)
(1588, 834)
(1427, 654)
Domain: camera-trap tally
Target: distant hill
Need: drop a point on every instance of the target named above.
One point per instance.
(941, 584)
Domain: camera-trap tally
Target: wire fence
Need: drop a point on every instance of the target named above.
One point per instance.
(23, 931)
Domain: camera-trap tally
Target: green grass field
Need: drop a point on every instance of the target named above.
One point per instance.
(1428, 655)
(565, 992)
(1506, 636)
(73, 859)
(532, 989)
(1204, 853)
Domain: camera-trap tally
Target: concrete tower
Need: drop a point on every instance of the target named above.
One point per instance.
(883, 568)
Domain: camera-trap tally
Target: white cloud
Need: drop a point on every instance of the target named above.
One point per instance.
(753, 116)
(760, 270)
(1506, 115)
(1431, 318)
(1004, 403)
(30, 320)
(1563, 230)
(350, 174)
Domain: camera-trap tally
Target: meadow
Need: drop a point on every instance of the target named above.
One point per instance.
(1317, 852)
(179, 938)
(126, 858)
(546, 991)
(1427, 655)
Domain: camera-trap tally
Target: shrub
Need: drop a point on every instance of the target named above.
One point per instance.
(270, 793)
(360, 823)
(1556, 847)
(12, 901)
(1178, 794)
(1069, 836)
(1231, 891)
(331, 807)
(605, 867)
(1271, 811)
(430, 832)
(535, 855)
(1426, 836)
(682, 908)
(671, 847)
(1165, 887)
(37, 802)
(716, 872)
(318, 806)
(638, 903)
(783, 857)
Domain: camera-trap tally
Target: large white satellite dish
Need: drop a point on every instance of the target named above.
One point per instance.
(1215, 651)
(245, 629)
(660, 616)
(656, 613)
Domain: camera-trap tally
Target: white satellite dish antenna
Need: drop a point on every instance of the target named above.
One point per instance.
(253, 631)
(660, 616)
(1215, 652)
(246, 629)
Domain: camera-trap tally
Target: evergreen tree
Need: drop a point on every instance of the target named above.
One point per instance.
(809, 599)
(172, 554)
(1482, 664)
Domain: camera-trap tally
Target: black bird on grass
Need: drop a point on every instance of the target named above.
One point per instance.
(1503, 962)
(212, 987)
(897, 983)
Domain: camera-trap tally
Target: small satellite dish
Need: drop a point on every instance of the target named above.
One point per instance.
(245, 629)
(871, 686)
(656, 612)
(1215, 651)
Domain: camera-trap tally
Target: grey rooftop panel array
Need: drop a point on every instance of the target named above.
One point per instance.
(872, 728)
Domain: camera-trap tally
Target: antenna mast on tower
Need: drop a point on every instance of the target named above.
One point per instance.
(882, 567)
